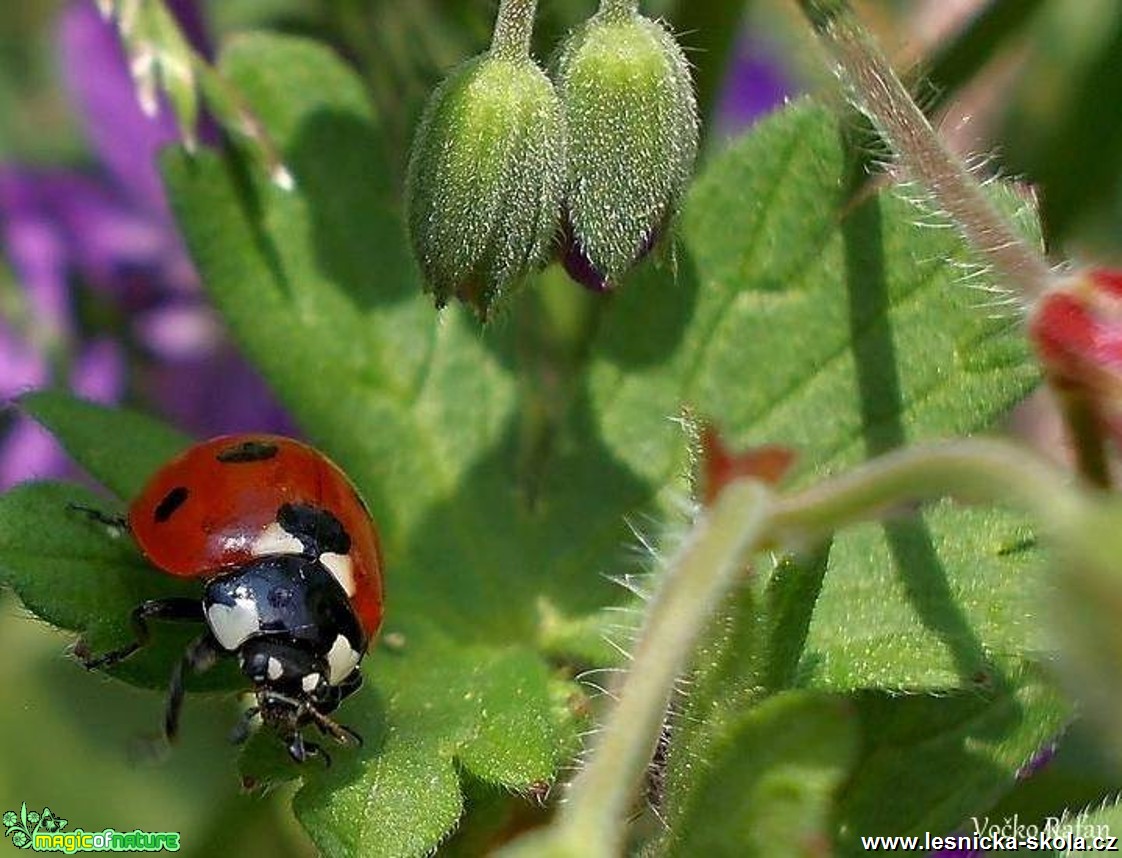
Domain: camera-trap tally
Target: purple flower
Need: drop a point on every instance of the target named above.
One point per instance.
(756, 84)
(112, 234)
(1038, 761)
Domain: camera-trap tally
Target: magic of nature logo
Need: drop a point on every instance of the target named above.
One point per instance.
(44, 832)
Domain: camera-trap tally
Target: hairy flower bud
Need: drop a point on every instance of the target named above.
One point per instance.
(632, 117)
(485, 180)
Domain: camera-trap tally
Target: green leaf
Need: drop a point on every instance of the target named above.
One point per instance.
(928, 763)
(843, 329)
(422, 412)
(444, 703)
(766, 784)
(79, 574)
(1091, 832)
(119, 448)
(434, 702)
(926, 602)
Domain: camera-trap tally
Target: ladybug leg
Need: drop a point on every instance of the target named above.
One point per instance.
(117, 522)
(200, 656)
(329, 702)
(177, 608)
(350, 685)
(242, 729)
(329, 727)
(300, 750)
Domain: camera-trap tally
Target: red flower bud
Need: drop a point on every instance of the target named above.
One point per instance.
(1076, 329)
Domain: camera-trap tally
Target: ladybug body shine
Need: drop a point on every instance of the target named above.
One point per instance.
(292, 574)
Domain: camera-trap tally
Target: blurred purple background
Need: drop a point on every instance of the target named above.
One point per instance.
(111, 306)
(112, 309)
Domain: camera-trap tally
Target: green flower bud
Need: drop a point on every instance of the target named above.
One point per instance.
(485, 180)
(632, 118)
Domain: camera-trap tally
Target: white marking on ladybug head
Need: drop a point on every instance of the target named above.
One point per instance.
(341, 660)
(273, 668)
(233, 624)
(274, 539)
(310, 682)
(340, 566)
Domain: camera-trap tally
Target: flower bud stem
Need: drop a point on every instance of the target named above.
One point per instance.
(514, 28)
(879, 93)
(1085, 432)
(969, 471)
(746, 517)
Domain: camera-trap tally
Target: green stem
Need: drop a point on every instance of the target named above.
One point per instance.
(971, 471)
(879, 93)
(593, 821)
(514, 27)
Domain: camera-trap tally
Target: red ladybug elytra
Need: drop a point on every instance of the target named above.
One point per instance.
(292, 571)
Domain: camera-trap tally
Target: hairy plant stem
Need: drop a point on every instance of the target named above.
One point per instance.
(879, 93)
(969, 471)
(592, 822)
(697, 579)
(746, 517)
(514, 27)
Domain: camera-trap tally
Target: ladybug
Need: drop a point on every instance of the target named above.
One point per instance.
(291, 570)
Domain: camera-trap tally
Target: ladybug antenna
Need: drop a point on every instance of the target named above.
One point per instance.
(296, 712)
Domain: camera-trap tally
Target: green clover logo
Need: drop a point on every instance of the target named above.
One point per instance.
(22, 826)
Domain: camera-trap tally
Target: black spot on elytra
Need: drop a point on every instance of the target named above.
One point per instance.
(317, 529)
(247, 451)
(172, 501)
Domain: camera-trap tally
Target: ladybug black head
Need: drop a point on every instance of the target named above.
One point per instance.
(284, 666)
(293, 691)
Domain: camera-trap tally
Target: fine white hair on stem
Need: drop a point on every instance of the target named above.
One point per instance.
(634, 584)
(599, 689)
(876, 90)
(620, 649)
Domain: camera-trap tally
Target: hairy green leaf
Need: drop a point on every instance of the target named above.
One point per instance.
(954, 755)
(82, 575)
(842, 327)
(766, 784)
